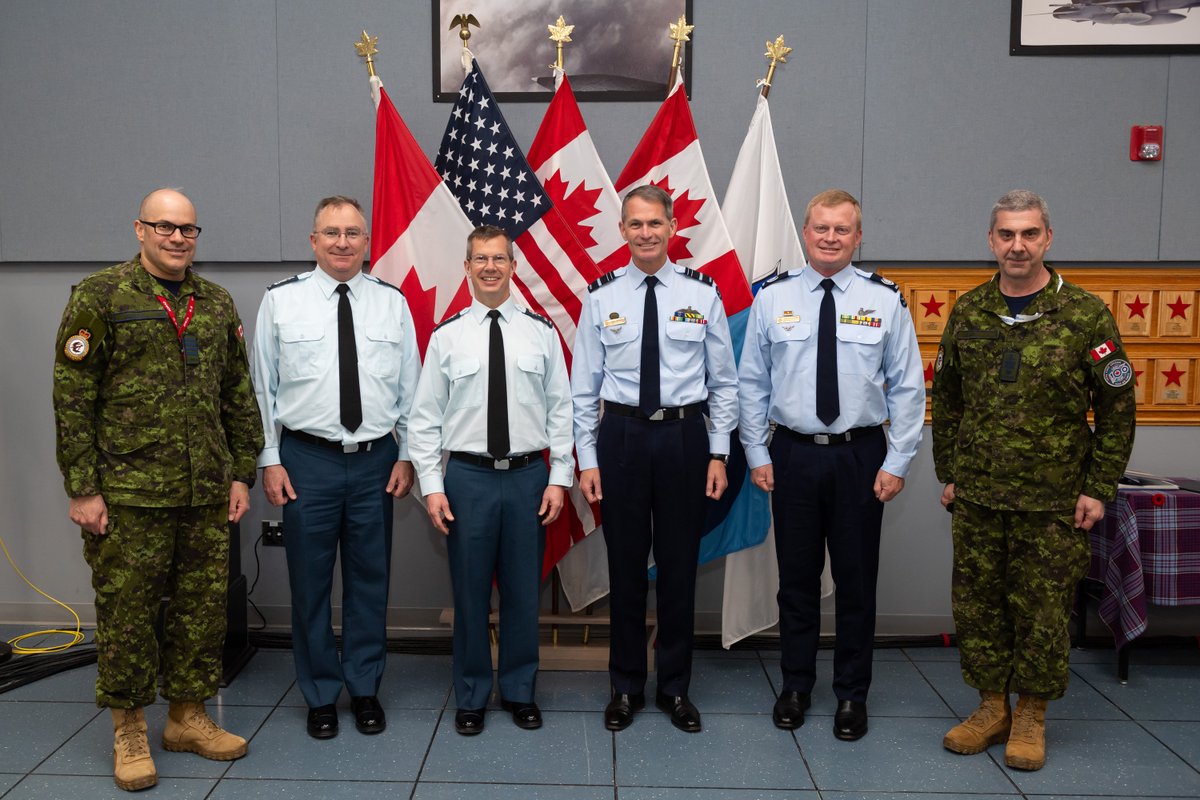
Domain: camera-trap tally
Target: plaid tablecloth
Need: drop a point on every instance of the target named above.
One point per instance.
(1146, 551)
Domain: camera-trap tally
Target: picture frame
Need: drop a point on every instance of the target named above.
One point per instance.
(616, 53)
(1104, 27)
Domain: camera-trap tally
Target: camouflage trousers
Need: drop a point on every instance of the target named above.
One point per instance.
(1015, 575)
(148, 554)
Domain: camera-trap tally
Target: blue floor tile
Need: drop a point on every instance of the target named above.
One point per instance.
(409, 681)
(570, 691)
(74, 685)
(729, 686)
(656, 793)
(1182, 737)
(89, 752)
(897, 754)
(7, 781)
(1107, 757)
(723, 653)
(1158, 692)
(932, 653)
(898, 689)
(570, 748)
(43, 729)
(44, 787)
(495, 791)
(827, 795)
(735, 751)
(238, 789)
(283, 750)
(264, 680)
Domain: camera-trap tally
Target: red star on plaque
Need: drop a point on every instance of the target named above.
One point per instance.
(1173, 375)
(933, 308)
(1179, 308)
(929, 372)
(1137, 376)
(1137, 307)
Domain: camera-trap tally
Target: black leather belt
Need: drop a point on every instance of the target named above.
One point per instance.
(512, 462)
(661, 415)
(830, 438)
(353, 447)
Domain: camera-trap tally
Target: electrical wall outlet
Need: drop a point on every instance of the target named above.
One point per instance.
(272, 532)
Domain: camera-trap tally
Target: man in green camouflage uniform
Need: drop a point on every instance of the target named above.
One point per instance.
(1023, 359)
(157, 433)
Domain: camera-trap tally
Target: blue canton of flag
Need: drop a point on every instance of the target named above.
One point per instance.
(482, 165)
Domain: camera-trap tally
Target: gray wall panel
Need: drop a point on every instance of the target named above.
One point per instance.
(952, 122)
(102, 101)
(1181, 157)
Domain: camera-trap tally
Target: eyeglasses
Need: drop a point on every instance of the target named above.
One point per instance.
(164, 228)
(481, 261)
(333, 234)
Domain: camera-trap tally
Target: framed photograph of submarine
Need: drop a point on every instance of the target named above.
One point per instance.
(1104, 27)
(611, 51)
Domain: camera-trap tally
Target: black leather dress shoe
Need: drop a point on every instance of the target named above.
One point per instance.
(850, 721)
(618, 714)
(322, 722)
(469, 721)
(368, 714)
(525, 715)
(788, 713)
(683, 714)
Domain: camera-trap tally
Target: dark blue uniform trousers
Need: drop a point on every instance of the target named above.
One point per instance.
(496, 530)
(341, 504)
(652, 477)
(824, 496)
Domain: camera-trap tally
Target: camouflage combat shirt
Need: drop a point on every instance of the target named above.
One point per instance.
(137, 423)
(1011, 397)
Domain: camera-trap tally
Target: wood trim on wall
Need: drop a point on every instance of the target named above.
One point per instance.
(1155, 309)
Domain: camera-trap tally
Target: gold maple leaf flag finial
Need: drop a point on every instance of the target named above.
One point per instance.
(560, 32)
(777, 53)
(366, 49)
(679, 35)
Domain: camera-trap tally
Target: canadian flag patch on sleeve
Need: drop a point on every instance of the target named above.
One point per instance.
(1102, 351)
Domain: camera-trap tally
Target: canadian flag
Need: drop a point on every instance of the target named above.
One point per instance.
(419, 231)
(1102, 351)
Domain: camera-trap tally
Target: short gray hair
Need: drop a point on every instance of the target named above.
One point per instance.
(650, 194)
(1020, 200)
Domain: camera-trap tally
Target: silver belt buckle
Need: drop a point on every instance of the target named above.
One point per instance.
(501, 463)
(820, 438)
(353, 447)
(658, 416)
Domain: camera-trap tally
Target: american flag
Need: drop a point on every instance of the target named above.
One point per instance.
(484, 168)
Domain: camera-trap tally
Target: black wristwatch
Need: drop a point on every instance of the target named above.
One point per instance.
(722, 457)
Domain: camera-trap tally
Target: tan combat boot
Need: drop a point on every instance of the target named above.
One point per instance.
(190, 730)
(133, 768)
(1027, 742)
(987, 725)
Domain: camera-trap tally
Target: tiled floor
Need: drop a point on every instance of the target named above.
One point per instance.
(1105, 740)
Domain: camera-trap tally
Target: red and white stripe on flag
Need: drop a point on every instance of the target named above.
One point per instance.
(1102, 351)
(669, 156)
(418, 228)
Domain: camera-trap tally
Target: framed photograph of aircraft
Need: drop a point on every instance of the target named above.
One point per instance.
(611, 51)
(1104, 27)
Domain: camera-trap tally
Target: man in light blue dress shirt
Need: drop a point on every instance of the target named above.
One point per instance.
(493, 370)
(653, 344)
(829, 464)
(335, 365)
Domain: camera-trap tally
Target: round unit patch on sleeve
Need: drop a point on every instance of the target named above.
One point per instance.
(76, 347)
(1118, 372)
(941, 356)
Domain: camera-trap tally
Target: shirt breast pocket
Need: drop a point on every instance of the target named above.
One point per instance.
(383, 351)
(530, 378)
(300, 347)
(622, 345)
(466, 388)
(685, 346)
(860, 349)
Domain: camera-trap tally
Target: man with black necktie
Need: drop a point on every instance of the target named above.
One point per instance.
(653, 343)
(495, 496)
(830, 355)
(335, 363)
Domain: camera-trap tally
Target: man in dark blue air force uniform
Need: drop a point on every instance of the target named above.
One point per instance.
(653, 344)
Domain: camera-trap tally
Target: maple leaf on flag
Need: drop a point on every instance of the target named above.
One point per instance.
(575, 205)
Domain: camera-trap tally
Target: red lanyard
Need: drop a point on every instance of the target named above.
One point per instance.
(187, 319)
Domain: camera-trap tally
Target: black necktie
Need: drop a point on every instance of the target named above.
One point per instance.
(827, 370)
(351, 399)
(497, 412)
(648, 396)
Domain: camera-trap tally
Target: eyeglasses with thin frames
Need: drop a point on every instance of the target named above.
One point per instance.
(164, 228)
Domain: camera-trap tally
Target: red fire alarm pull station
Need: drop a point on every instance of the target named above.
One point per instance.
(1146, 143)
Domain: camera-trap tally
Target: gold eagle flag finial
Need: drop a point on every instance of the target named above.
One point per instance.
(560, 32)
(366, 49)
(461, 21)
(679, 34)
(777, 53)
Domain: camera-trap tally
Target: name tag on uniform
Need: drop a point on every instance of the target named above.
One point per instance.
(613, 320)
(788, 318)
